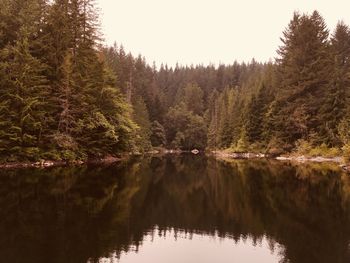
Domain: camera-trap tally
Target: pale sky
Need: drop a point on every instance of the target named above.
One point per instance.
(207, 31)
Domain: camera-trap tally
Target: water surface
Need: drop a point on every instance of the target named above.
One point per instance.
(176, 209)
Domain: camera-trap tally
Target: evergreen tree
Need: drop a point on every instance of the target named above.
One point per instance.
(23, 91)
(141, 117)
(337, 95)
(304, 74)
(254, 120)
(256, 116)
(185, 130)
(158, 134)
(212, 120)
(62, 96)
(193, 98)
(58, 100)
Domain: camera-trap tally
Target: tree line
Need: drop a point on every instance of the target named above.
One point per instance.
(58, 98)
(297, 102)
(64, 95)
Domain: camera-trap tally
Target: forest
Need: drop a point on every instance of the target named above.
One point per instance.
(65, 95)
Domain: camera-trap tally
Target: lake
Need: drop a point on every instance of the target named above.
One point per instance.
(186, 208)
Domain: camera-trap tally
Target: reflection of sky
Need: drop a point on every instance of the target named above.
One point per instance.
(180, 247)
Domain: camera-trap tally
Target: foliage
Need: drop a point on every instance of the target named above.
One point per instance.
(344, 135)
(141, 117)
(63, 95)
(58, 99)
(344, 130)
(158, 134)
(304, 147)
(346, 152)
(242, 144)
(185, 129)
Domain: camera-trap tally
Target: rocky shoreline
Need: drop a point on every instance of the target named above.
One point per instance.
(41, 164)
(106, 160)
(318, 159)
(233, 155)
(52, 163)
(217, 154)
(300, 159)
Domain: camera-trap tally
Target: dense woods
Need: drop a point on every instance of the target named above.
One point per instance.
(64, 95)
(58, 99)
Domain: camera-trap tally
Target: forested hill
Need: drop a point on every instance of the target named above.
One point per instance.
(65, 96)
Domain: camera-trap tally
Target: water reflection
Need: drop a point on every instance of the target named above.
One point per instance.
(176, 209)
(179, 246)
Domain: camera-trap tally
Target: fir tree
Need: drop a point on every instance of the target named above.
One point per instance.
(141, 117)
(158, 134)
(23, 93)
(304, 73)
(337, 95)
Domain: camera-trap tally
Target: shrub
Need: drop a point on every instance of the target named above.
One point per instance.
(303, 147)
(276, 147)
(324, 150)
(346, 152)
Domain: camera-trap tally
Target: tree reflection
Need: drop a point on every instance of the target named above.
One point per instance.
(85, 213)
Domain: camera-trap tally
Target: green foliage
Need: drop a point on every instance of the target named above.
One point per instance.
(295, 103)
(23, 93)
(158, 134)
(276, 147)
(344, 130)
(185, 129)
(58, 100)
(225, 119)
(346, 152)
(324, 150)
(141, 117)
(179, 140)
(242, 144)
(306, 148)
(304, 74)
(337, 94)
(62, 96)
(254, 118)
(344, 135)
(195, 134)
(303, 147)
(192, 96)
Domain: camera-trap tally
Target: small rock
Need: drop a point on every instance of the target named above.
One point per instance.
(47, 164)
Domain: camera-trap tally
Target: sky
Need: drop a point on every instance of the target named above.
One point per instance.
(207, 31)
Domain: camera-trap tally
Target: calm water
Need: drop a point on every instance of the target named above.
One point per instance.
(176, 209)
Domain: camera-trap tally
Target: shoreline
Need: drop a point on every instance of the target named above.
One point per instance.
(217, 154)
(294, 158)
(52, 163)
(96, 161)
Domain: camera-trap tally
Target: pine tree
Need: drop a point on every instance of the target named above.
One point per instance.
(58, 100)
(254, 120)
(23, 92)
(256, 113)
(184, 129)
(304, 73)
(193, 98)
(212, 120)
(141, 118)
(337, 96)
(158, 135)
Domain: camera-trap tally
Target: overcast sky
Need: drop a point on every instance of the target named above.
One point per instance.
(207, 31)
